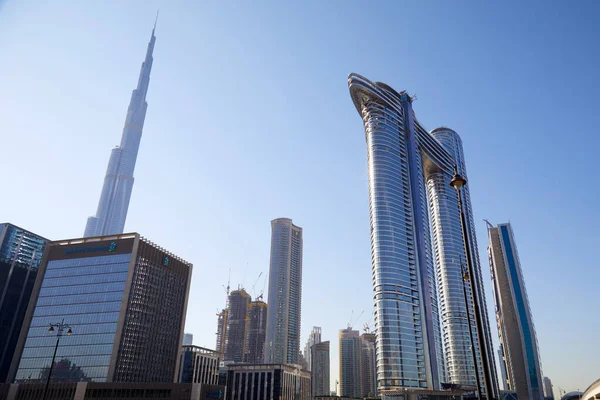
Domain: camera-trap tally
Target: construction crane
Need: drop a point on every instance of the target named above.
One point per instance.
(227, 289)
(260, 296)
(253, 286)
(351, 318)
(367, 326)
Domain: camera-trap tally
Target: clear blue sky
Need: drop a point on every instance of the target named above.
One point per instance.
(250, 119)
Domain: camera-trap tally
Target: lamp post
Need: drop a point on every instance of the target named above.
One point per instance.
(458, 182)
(61, 326)
(466, 278)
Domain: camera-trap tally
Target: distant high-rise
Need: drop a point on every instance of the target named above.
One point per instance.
(417, 248)
(513, 315)
(125, 299)
(350, 363)
(285, 293)
(188, 339)
(239, 300)
(256, 331)
(368, 365)
(548, 393)
(118, 182)
(320, 368)
(313, 338)
(20, 255)
(503, 373)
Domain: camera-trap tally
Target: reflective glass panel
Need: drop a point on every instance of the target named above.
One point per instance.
(85, 293)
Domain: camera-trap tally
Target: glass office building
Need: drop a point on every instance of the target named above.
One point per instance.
(417, 247)
(20, 256)
(125, 299)
(350, 357)
(516, 330)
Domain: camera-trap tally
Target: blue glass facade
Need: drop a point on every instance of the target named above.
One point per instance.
(515, 322)
(523, 313)
(87, 293)
(20, 255)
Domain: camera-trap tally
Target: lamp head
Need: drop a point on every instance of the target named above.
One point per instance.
(457, 181)
(51, 330)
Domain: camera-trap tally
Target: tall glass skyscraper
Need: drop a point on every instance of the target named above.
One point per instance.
(516, 330)
(417, 246)
(125, 299)
(20, 256)
(350, 357)
(285, 293)
(118, 182)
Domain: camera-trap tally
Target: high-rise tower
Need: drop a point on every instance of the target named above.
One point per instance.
(20, 256)
(368, 366)
(409, 174)
(118, 182)
(350, 357)
(513, 315)
(235, 336)
(320, 369)
(313, 338)
(285, 293)
(256, 330)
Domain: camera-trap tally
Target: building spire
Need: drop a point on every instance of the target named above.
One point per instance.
(118, 182)
(156, 20)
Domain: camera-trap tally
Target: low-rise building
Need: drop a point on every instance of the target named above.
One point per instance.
(267, 381)
(110, 390)
(198, 365)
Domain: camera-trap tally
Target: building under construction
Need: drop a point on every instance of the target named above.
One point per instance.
(221, 331)
(256, 329)
(235, 337)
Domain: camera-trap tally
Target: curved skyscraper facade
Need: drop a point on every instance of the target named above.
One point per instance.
(416, 245)
(450, 256)
(118, 182)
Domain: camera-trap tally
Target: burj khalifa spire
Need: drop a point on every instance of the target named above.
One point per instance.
(118, 183)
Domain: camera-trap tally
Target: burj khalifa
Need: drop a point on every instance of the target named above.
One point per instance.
(118, 182)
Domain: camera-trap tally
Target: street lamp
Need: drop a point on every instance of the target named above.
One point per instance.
(466, 278)
(61, 326)
(458, 182)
